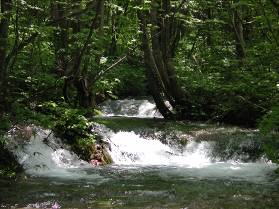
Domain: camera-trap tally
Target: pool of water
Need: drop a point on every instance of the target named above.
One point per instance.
(148, 187)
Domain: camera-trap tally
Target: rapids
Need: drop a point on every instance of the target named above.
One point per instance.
(130, 108)
(157, 164)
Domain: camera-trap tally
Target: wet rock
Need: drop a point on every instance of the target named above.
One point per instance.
(21, 133)
(100, 155)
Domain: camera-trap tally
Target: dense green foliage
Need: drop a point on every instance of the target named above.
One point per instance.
(270, 122)
(9, 166)
(270, 127)
(73, 127)
(219, 83)
(223, 85)
(59, 58)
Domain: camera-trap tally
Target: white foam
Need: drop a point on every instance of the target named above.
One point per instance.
(130, 108)
(130, 149)
(52, 158)
(38, 158)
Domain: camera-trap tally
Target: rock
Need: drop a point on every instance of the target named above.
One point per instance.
(95, 162)
(100, 155)
(55, 206)
(23, 133)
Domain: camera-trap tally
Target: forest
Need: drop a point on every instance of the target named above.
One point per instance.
(215, 62)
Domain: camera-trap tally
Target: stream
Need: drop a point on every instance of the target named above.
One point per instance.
(157, 164)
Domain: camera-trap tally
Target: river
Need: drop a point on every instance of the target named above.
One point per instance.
(157, 164)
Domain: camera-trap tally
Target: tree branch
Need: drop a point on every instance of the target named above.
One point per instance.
(20, 46)
(103, 72)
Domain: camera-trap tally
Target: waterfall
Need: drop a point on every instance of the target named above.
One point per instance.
(45, 155)
(130, 148)
(130, 108)
(195, 159)
(171, 164)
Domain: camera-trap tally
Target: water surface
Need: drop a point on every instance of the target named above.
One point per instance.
(146, 187)
(157, 164)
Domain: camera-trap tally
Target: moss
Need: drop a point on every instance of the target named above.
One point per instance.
(75, 129)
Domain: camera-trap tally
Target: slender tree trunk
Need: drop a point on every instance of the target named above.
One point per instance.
(170, 36)
(101, 14)
(99, 24)
(113, 44)
(165, 35)
(76, 77)
(82, 84)
(239, 35)
(156, 85)
(208, 34)
(60, 38)
(6, 6)
(156, 50)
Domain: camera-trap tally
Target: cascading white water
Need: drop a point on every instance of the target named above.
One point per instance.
(171, 168)
(130, 108)
(129, 149)
(145, 170)
(50, 157)
(45, 155)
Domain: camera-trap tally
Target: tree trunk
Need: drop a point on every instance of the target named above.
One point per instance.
(60, 38)
(239, 36)
(82, 84)
(154, 79)
(99, 23)
(101, 14)
(6, 6)
(209, 40)
(158, 55)
(170, 33)
(113, 44)
(157, 52)
(76, 76)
